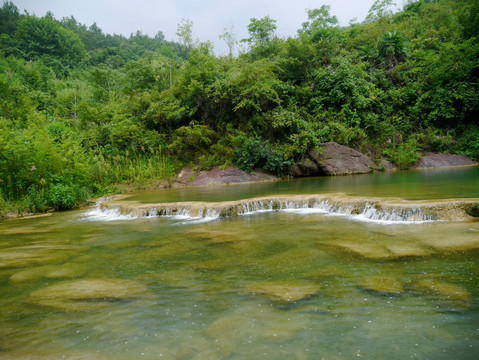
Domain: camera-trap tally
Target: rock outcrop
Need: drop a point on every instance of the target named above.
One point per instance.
(217, 176)
(443, 160)
(332, 159)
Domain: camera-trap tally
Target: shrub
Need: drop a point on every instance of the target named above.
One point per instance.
(34, 200)
(469, 143)
(63, 196)
(405, 154)
(253, 153)
(190, 141)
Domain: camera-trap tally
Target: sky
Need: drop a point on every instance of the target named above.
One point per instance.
(209, 17)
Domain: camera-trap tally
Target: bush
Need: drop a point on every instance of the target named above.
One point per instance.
(435, 141)
(404, 155)
(34, 200)
(469, 143)
(256, 153)
(63, 196)
(190, 141)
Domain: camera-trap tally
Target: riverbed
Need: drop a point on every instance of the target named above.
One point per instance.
(297, 282)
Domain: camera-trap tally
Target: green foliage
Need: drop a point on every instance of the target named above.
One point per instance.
(260, 31)
(9, 18)
(63, 196)
(185, 33)
(189, 141)
(405, 154)
(469, 142)
(392, 48)
(320, 23)
(38, 37)
(251, 153)
(436, 141)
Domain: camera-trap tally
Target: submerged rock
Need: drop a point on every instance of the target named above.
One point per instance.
(64, 271)
(466, 242)
(258, 323)
(383, 252)
(382, 285)
(211, 237)
(282, 292)
(59, 354)
(449, 296)
(210, 265)
(87, 294)
(402, 250)
(26, 257)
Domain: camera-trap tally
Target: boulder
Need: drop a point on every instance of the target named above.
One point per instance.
(335, 159)
(332, 159)
(304, 167)
(443, 160)
(217, 176)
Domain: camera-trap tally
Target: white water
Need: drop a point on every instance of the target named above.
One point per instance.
(369, 212)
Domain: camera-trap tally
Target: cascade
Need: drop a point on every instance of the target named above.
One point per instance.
(380, 210)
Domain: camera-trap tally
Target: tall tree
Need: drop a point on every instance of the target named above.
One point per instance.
(9, 18)
(230, 38)
(185, 33)
(261, 31)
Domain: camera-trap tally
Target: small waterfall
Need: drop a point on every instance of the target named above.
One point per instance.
(383, 211)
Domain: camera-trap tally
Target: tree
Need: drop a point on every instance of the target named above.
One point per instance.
(392, 48)
(40, 37)
(230, 38)
(9, 18)
(260, 31)
(185, 33)
(380, 9)
(319, 21)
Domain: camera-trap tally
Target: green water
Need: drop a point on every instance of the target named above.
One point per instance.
(461, 182)
(195, 282)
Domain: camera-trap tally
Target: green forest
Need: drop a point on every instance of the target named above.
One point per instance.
(82, 111)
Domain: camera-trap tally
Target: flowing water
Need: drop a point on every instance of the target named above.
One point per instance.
(289, 281)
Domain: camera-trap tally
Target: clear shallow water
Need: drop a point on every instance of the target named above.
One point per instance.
(194, 299)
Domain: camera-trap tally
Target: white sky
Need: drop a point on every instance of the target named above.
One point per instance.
(209, 17)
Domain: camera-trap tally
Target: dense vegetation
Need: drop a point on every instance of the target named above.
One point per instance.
(81, 111)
